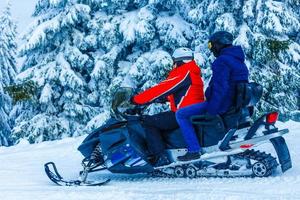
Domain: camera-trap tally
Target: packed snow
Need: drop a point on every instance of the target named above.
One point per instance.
(22, 177)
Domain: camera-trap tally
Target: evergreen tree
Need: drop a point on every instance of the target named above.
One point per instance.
(267, 30)
(275, 54)
(57, 61)
(79, 51)
(7, 70)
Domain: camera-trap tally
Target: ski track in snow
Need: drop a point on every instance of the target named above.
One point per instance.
(22, 177)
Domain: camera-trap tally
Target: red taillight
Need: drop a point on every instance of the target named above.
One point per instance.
(272, 117)
(246, 146)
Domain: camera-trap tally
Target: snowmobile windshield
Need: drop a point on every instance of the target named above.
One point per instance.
(121, 100)
(121, 105)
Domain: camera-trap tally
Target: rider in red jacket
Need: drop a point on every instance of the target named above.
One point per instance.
(183, 87)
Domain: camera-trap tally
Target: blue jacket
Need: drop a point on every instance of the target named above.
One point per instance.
(228, 69)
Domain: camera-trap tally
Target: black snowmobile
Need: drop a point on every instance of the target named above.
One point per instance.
(229, 144)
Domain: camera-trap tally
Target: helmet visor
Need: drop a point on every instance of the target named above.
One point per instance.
(182, 58)
(209, 45)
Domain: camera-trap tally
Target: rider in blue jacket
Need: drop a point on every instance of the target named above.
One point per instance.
(228, 70)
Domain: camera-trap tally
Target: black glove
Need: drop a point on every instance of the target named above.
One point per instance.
(130, 112)
(132, 101)
(160, 100)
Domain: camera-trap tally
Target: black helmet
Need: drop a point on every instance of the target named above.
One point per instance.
(219, 40)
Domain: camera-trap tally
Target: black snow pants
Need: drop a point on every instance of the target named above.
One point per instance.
(155, 126)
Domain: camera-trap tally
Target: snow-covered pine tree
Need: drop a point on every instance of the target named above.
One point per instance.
(135, 38)
(139, 28)
(269, 33)
(8, 70)
(79, 52)
(57, 60)
(275, 54)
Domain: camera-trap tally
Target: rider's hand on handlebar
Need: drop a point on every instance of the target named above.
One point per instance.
(130, 112)
(160, 100)
(132, 101)
(134, 111)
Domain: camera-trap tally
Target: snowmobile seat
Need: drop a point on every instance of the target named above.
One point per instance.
(174, 139)
(211, 129)
(239, 115)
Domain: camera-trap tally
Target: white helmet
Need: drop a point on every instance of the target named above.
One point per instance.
(182, 54)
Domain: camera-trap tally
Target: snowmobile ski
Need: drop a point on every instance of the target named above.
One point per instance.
(54, 176)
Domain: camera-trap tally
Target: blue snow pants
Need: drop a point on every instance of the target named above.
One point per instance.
(183, 116)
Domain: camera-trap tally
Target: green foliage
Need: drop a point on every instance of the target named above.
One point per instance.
(268, 49)
(22, 92)
(275, 46)
(260, 53)
(279, 83)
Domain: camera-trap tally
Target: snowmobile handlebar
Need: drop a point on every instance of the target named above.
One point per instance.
(123, 114)
(122, 106)
(137, 110)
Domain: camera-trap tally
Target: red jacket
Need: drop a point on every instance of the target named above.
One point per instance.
(183, 87)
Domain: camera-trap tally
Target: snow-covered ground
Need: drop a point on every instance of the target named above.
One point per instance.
(22, 177)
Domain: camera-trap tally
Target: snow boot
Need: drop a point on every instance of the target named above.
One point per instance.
(189, 156)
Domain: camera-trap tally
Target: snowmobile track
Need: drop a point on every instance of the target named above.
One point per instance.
(267, 165)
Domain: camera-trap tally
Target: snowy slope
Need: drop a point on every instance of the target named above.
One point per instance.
(22, 177)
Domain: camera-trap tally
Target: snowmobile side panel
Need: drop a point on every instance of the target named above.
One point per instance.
(125, 149)
(87, 147)
(282, 152)
(120, 168)
(136, 136)
(90, 142)
(112, 139)
(126, 159)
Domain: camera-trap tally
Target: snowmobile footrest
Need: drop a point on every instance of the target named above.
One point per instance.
(282, 153)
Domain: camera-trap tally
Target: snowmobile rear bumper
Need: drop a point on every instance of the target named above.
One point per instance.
(278, 143)
(259, 139)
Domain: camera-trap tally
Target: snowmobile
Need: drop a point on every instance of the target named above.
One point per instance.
(230, 144)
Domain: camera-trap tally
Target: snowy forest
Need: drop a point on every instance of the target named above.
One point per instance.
(76, 53)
